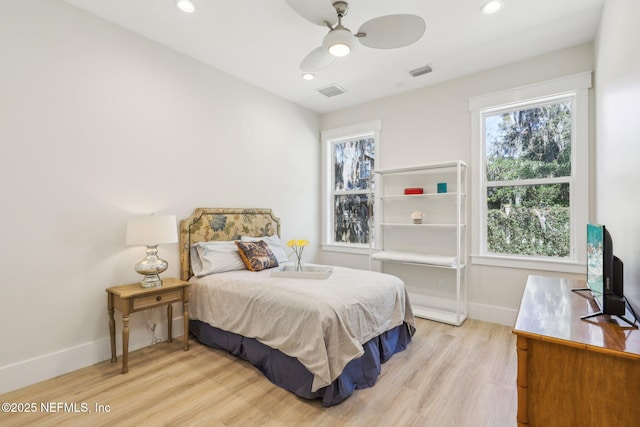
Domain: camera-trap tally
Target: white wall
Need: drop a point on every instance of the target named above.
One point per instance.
(433, 125)
(618, 137)
(98, 124)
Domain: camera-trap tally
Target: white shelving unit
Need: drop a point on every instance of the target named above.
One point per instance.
(430, 257)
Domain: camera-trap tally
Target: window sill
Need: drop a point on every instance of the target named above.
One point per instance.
(529, 264)
(352, 249)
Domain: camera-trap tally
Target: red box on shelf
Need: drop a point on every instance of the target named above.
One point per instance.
(413, 191)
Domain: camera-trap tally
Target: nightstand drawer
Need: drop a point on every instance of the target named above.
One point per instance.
(158, 299)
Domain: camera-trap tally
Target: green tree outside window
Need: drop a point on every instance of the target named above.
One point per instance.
(528, 170)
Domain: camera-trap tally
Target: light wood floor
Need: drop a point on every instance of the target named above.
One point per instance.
(448, 376)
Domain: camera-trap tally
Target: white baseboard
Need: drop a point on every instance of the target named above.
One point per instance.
(31, 371)
(486, 313)
(493, 314)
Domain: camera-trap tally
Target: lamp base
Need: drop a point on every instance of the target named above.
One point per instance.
(151, 281)
(150, 267)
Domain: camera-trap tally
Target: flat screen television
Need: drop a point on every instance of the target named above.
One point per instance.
(604, 274)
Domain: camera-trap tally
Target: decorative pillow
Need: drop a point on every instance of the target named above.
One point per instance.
(215, 257)
(257, 255)
(276, 245)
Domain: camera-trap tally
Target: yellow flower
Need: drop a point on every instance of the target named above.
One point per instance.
(297, 243)
(297, 247)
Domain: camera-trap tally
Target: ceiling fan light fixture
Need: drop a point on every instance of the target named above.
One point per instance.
(338, 42)
(492, 6)
(340, 49)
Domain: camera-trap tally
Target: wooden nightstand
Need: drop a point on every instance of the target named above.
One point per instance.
(131, 298)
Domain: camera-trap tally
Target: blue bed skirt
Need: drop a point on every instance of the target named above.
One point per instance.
(287, 372)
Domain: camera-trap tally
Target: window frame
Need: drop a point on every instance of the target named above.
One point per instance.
(328, 138)
(575, 87)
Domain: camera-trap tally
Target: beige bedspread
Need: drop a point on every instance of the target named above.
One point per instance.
(322, 323)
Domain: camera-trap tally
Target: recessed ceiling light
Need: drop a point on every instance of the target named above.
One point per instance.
(187, 6)
(492, 6)
(308, 76)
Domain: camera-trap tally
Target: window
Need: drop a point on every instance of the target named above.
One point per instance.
(349, 160)
(527, 179)
(531, 182)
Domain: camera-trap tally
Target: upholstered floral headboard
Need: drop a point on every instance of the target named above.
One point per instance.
(215, 224)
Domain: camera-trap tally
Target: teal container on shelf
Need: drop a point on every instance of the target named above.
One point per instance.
(442, 187)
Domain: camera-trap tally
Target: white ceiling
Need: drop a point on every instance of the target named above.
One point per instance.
(264, 41)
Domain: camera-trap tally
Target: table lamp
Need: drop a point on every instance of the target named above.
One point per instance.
(151, 231)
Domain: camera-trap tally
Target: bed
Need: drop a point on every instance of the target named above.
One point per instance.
(330, 336)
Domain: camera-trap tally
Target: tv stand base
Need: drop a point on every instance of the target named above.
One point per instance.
(599, 313)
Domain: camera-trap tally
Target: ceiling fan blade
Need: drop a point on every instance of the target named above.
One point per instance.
(316, 60)
(392, 31)
(315, 11)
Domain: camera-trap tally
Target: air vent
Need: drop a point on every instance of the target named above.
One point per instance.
(332, 90)
(421, 71)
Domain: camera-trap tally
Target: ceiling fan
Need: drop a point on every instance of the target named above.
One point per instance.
(384, 32)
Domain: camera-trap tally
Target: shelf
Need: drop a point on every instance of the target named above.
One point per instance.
(409, 224)
(444, 316)
(419, 196)
(422, 264)
(444, 231)
(422, 168)
(416, 258)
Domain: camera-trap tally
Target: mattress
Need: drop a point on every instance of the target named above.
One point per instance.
(323, 324)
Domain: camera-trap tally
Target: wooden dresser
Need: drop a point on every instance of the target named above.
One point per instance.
(574, 372)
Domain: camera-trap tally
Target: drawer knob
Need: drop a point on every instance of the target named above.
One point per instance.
(159, 297)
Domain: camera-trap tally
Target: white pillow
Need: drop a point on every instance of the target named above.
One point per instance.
(276, 245)
(215, 257)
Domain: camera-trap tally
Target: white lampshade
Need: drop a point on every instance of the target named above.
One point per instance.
(152, 230)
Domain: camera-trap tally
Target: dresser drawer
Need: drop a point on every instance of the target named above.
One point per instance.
(157, 299)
